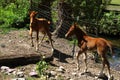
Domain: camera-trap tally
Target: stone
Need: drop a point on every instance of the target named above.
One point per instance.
(18, 79)
(53, 73)
(33, 74)
(4, 68)
(10, 70)
(20, 74)
(2, 45)
(60, 69)
(74, 74)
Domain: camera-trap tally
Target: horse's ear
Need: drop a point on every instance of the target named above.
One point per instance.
(30, 12)
(36, 12)
(33, 12)
(75, 24)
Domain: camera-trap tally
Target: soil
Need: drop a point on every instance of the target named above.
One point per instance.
(18, 42)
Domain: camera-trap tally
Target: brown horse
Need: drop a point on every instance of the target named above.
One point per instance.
(39, 25)
(86, 42)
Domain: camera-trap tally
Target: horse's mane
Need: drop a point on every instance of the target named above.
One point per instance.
(80, 29)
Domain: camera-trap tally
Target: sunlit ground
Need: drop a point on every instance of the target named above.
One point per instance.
(115, 2)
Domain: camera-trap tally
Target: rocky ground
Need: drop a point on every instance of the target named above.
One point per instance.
(63, 66)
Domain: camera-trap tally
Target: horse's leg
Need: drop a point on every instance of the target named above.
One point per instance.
(85, 60)
(105, 62)
(37, 38)
(30, 33)
(42, 39)
(79, 53)
(103, 65)
(49, 36)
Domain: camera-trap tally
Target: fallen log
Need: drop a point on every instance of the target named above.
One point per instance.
(14, 60)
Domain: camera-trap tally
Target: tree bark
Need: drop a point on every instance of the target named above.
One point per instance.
(64, 19)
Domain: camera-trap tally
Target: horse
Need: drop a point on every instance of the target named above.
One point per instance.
(86, 43)
(39, 25)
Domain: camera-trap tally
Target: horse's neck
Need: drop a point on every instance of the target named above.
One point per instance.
(80, 35)
(33, 20)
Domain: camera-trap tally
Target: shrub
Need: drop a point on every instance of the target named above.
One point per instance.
(13, 12)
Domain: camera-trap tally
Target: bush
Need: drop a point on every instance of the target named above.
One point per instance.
(110, 23)
(12, 13)
(42, 66)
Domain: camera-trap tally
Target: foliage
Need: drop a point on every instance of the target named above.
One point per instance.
(54, 11)
(42, 66)
(13, 12)
(91, 12)
(110, 23)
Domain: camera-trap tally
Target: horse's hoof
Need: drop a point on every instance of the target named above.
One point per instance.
(102, 76)
(53, 49)
(32, 45)
(111, 78)
(85, 71)
(78, 69)
(36, 50)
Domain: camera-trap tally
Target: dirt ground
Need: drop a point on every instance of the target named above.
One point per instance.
(18, 42)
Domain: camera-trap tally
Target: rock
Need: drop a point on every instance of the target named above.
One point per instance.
(2, 45)
(18, 79)
(102, 77)
(4, 68)
(53, 73)
(74, 74)
(68, 78)
(33, 74)
(52, 78)
(14, 72)
(20, 74)
(10, 70)
(87, 73)
(60, 69)
(59, 76)
(22, 69)
(10, 41)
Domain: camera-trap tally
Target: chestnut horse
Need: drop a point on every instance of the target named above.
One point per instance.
(86, 42)
(39, 25)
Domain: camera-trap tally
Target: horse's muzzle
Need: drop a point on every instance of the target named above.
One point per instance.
(66, 35)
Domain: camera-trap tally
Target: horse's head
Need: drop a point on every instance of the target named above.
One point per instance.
(33, 14)
(71, 31)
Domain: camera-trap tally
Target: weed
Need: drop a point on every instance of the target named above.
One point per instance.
(42, 66)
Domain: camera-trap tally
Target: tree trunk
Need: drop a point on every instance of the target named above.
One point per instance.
(64, 19)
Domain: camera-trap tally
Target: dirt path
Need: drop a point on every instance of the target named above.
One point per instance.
(18, 42)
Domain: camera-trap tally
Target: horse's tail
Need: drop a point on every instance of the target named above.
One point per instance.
(109, 44)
